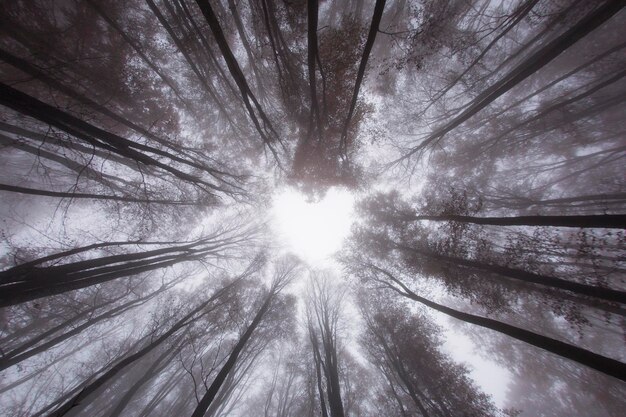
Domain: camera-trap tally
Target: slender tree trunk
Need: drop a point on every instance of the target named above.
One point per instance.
(78, 388)
(87, 151)
(80, 169)
(239, 78)
(397, 366)
(162, 393)
(38, 372)
(244, 41)
(91, 134)
(317, 360)
(91, 196)
(528, 67)
(208, 88)
(519, 15)
(138, 50)
(217, 383)
(600, 363)
(16, 273)
(608, 221)
(157, 366)
(379, 8)
(312, 53)
(73, 406)
(332, 372)
(606, 294)
(31, 349)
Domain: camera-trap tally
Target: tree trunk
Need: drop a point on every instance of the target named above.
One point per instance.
(239, 78)
(528, 67)
(582, 356)
(212, 391)
(30, 349)
(608, 221)
(91, 196)
(379, 8)
(91, 134)
(75, 404)
(606, 294)
(154, 369)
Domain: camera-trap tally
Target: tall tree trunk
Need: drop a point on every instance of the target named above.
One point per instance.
(138, 50)
(217, 383)
(31, 348)
(157, 366)
(600, 363)
(608, 221)
(93, 135)
(519, 15)
(606, 294)
(73, 406)
(312, 53)
(91, 196)
(21, 284)
(233, 66)
(524, 70)
(318, 373)
(379, 8)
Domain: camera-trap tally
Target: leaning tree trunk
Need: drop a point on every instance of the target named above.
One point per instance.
(211, 393)
(528, 67)
(73, 406)
(600, 363)
(607, 221)
(606, 294)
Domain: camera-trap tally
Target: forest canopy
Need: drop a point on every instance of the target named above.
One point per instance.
(302, 208)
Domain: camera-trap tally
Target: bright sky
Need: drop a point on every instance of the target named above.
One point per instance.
(313, 231)
(491, 377)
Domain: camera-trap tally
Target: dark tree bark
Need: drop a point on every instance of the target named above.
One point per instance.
(235, 71)
(157, 366)
(20, 285)
(565, 350)
(91, 196)
(177, 41)
(608, 221)
(606, 294)
(379, 8)
(528, 67)
(513, 19)
(227, 368)
(73, 405)
(39, 74)
(169, 82)
(32, 348)
(322, 317)
(93, 135)
(317, 359)
(312, 54)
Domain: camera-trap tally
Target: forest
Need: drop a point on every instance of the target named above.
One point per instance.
(312, 208)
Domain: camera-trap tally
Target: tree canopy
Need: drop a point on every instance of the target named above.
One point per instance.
(143, 149)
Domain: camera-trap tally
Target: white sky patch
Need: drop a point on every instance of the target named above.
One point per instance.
(491, 377)
(312, 230)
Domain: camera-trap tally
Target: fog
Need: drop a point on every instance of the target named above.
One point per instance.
(309, 208)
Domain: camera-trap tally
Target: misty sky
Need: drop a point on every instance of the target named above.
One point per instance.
(312, 208)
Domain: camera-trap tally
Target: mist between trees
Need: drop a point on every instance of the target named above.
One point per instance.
(142, 144)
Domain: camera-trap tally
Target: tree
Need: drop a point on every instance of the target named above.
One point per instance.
(142, 144)
(281, 279)
(323, 312)
(423, 381)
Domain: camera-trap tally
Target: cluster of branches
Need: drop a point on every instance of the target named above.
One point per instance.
(165, 112)
(509, 268)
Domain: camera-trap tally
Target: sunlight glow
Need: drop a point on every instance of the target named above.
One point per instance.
(313, 231)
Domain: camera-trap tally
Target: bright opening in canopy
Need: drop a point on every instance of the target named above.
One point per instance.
(313, 230)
